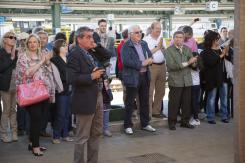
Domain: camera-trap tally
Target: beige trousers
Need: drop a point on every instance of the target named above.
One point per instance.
(8, 118)
(88, 132)
(157, 88)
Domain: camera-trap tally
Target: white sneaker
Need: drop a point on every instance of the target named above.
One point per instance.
(129, 131)
(197, 122)
(107, 133)
(68, 139)
(192, 122)
(56, 141)
(149, 128)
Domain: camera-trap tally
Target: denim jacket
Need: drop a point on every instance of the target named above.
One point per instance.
(132, 64)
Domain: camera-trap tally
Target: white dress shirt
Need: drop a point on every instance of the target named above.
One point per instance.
(158, 56)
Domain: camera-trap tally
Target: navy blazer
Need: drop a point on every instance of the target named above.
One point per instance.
(84, 89)
(6, 68)
(132, 64)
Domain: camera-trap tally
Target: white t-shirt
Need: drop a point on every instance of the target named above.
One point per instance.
(158, 56)
(195, 77)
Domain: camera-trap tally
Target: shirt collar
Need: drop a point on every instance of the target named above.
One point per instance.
(136, 43)
(179, 47)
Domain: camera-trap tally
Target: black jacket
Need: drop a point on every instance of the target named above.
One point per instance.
(6, 67)
(213, 74)
(62, 67)
(84, 89)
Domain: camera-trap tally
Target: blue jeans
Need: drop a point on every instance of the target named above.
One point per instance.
(106, 115)
(210, 108)
(61, 117)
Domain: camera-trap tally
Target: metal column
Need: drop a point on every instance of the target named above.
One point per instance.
(56, 17)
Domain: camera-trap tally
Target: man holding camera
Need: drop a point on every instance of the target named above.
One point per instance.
(86, 99)
(136, 58)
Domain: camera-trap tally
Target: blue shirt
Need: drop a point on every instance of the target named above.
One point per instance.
(140, 53)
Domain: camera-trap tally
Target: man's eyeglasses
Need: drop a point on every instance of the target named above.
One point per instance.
(137, 32)
(11, 37)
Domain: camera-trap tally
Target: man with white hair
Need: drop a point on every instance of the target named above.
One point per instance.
(136, 59)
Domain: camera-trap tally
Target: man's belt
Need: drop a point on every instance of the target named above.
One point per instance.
(159, 63)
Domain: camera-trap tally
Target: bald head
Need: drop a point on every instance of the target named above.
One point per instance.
(156, 29)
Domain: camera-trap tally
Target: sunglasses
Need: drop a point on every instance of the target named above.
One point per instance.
(11, 37)
(64, 45)
(138, 32)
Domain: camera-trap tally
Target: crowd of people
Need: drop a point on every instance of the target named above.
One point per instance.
(76, 74)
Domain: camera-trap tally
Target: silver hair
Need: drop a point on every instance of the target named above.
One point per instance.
(42, 32)
(81, 30)
(131, 28)
(37, 29)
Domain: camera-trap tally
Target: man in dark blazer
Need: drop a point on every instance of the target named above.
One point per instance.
(136, 58)
(86, 100)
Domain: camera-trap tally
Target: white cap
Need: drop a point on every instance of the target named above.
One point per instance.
(23, 36)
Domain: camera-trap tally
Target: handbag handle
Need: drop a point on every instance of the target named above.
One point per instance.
(24, 78)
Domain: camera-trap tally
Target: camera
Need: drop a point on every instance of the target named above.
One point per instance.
(105, 66)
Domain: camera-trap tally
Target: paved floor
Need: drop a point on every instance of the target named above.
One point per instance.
(205, 144)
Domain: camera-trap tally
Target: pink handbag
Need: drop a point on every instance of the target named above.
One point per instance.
(31, 93)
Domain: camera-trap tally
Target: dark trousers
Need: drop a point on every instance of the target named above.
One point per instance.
(23, 119)
(45, 116)
(61, 117)
(230, 100)
(0, 107)
(203, 99)
(195, 100)
(143, 91)
(35, 112)
(179, 97)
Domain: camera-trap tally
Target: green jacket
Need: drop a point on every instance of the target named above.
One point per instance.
(178, 75)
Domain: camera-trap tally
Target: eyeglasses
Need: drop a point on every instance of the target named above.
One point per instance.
(138, 32)
(11, 37)
(64, 45)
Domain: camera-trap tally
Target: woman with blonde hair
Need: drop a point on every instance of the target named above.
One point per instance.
(32, 65)
(8, 58)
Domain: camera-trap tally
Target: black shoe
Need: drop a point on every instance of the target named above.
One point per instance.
(41, 148)
(172, 128)
(211, 122)
(225, 121)
(187, 125)
(159, 116)
(29, 147)
(20, 132)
